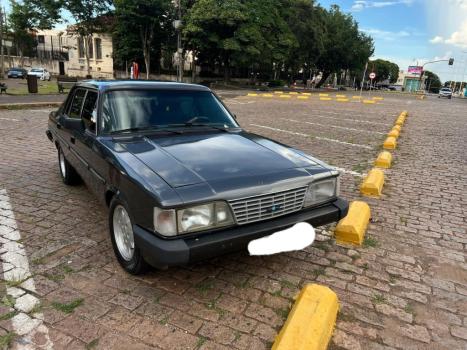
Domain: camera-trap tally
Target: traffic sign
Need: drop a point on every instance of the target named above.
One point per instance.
(372, 75)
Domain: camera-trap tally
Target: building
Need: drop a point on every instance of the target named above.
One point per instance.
(409, 82)
(64, 53)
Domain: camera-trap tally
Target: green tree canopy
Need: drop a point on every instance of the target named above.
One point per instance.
(385, 70)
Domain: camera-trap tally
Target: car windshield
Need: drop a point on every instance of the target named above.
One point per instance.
(155, 109)
(36, 70)
(446, 90)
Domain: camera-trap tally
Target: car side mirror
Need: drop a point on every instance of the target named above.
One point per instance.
(74, 124)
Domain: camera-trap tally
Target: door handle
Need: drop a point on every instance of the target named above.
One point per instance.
(72, 139)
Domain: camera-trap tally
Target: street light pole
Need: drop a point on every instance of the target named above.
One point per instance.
(2, 62)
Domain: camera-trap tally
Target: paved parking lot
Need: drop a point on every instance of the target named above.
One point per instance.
(406, 288)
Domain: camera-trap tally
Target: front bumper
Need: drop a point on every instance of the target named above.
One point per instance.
(162, 253)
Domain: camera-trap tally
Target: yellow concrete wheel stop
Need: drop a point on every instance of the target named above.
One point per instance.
(356, 97)
(252, 94)
(378, 98)
(284, 96)
(278, 92)
(342, 100)
(390, 143)
(311, 321)
(306, 93)
(303, 97)
(372, 186)
(325, 99)
(400, 121)
(394, 133)
(323, 95)
(405, 113)
(293, 93)
(384, 160)
(267, 95)
(397, 127)
(369, 102)
(352, 228)
(341, 96)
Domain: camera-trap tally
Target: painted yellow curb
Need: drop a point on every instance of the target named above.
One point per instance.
(324, 95)
(397, 127)
(325, 99)
(252, 94)
(357, 97)
(369, 102)
(341, 96)
(373, 184)
(384, 160)
(303, 97)
(278, 92)
(342, 100)
(293, 93)
(394, 133)
(311, 321)
(400, 121)
(377, 98)
(352, 228)
(405, 113)
(284, 96)
(267, 95)
(390, 143)
(306, 93)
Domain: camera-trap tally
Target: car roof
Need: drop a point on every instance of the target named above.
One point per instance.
(104, 85)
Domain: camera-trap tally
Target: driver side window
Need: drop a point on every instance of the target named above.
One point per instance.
(75, 106)
(88, 115)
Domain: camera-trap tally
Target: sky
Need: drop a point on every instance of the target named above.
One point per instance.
(411, 32)
(408, 32)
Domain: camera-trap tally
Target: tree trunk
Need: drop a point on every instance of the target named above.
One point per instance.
(86, 54)
(147, 61)
(324, 77)
(226, 69)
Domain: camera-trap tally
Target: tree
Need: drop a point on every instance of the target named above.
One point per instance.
(385, 70)
(89, 18)
(145, 21)
(345, 47)
(432, 81)
(26, 17)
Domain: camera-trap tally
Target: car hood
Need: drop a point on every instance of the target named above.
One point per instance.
(213, 157)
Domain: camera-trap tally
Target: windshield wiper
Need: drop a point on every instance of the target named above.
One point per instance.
(188, 124)
(144, 128)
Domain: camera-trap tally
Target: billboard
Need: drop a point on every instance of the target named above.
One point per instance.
(415, 70)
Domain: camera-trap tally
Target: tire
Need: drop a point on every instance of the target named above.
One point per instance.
(67, 172)
(130, 259)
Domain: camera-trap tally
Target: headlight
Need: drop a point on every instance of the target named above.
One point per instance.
(321, 191)
(169, 222)
(203, 217)
(164, 222)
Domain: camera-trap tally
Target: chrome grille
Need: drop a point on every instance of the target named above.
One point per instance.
(251, 209)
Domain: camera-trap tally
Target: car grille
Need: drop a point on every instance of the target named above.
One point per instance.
(251, 209)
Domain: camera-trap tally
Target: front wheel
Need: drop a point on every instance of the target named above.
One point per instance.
(123, 241)
(67, 172)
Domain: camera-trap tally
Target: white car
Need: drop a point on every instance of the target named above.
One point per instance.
(41, 73)
(445, 92)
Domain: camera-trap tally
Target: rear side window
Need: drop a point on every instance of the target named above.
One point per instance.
(76, 104)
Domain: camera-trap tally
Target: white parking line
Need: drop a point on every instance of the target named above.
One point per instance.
(334, 126)
(316, 137)
(347, 119)
(19, 280)
(10, 119)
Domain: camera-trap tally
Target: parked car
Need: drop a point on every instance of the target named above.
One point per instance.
(16, 72)
(41, 73)
(445, 92)
(182, 180)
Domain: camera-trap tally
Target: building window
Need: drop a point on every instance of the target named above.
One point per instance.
(98, 43)
(90, 48)
(80, 47)
(40, 39)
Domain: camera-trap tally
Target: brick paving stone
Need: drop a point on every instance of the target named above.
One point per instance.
(409, 291)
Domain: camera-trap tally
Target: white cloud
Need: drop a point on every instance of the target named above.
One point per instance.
(459, 37)
(386, 35)
(360, 5)
(437, 40)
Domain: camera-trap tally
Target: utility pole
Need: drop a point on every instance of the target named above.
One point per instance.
(2, 62)
(177, 25)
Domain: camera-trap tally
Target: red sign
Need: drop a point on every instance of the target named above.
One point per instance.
(372, 75)
(415, 70)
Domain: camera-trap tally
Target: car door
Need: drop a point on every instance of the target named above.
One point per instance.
(88, 147)
(69, 125)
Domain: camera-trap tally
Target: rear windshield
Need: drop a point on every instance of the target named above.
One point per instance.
(446, 90)
(125, 109)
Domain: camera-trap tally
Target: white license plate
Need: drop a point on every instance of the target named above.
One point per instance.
(297, 237)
